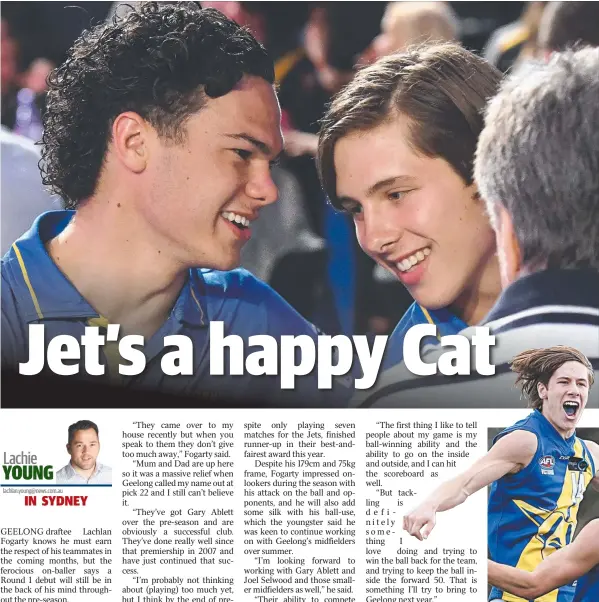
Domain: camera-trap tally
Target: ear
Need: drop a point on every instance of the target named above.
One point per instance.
(69, 448)
(510, 256)
(131, 140)
(542, 391)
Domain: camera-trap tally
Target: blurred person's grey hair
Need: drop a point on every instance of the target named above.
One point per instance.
(538, 157)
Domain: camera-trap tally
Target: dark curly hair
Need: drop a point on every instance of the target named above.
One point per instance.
(160, 61)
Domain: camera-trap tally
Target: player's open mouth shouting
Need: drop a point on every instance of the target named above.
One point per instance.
(571, 408)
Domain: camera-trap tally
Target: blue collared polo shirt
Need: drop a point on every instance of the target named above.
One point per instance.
(446, 323)
(35, 291)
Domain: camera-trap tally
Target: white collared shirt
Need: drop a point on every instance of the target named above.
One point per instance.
(68, 475)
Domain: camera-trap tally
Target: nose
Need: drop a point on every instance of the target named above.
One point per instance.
(261, 186)
(378, 233)
(574, 391)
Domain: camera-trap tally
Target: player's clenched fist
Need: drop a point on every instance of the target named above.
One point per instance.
(420, 521)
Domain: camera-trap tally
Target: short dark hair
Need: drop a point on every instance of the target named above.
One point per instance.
(441, 88)
(160, 61)
(536, 366)
(569, 24)
(538, 158)
(82, 425)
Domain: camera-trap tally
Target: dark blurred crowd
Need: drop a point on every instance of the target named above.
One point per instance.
(301, 246)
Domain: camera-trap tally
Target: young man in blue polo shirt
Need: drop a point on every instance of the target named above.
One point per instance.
(396, 151)
(160, 132)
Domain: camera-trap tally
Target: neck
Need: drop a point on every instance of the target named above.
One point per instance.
(119, 266)
(476, 301)
(565, 434)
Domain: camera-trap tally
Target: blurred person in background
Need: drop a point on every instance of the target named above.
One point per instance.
(240, 12)
(396, 152)
(568, 24)
(562, 25)
(10, 74)
(517, 41)
(23, 194)
(407, 23)
(312, 74)
(23, 88)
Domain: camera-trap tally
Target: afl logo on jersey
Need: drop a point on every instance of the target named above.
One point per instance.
(547, 464)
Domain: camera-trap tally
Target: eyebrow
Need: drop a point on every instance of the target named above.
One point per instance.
(387, 182)
(402, 179)
(259, 144)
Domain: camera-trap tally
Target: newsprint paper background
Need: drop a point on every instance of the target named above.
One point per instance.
(256, 505)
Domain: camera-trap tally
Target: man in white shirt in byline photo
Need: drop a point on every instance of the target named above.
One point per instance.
(84, 447)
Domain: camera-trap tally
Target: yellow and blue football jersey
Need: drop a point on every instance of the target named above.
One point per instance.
(533, 513)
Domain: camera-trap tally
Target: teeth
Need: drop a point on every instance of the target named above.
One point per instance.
(412, 260)
(570, 407)
(236, 218)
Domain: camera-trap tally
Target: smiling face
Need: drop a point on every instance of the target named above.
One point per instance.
(415, 216)
(84, 449)
(565, 396)
(204, 193)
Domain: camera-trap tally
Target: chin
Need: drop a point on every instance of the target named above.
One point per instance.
(223, 264)
(226, 266)
(432, 301)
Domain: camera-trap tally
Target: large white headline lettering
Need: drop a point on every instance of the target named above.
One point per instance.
(287, 356)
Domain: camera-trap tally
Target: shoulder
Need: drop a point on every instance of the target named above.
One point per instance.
(394, 350)
(238, 296)
(518, 436)
(527, 424)
(14, 285)
(412, 317)
(518, 445)
(63, 474)
(236, 283)
(11, 310)
(18, 145)
(237, 286)
(104, 474)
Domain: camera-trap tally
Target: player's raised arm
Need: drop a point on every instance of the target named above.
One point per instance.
(509, 455)
(560, 568)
